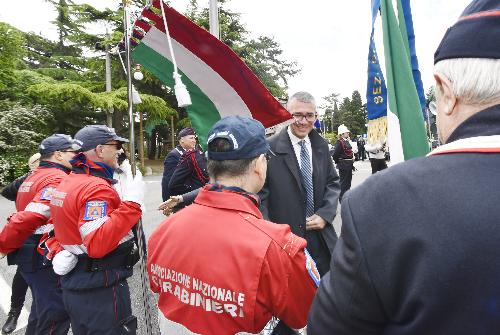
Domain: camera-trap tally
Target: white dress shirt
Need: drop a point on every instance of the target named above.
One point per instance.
(297, 147)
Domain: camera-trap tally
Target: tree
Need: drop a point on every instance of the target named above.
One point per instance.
(21, 131)
(11, 52)
(263, 55)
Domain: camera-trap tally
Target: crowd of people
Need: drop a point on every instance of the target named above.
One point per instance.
(251, 235)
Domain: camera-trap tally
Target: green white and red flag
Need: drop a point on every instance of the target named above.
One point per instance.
(219, 82)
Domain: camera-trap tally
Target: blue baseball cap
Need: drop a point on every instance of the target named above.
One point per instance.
(475, 35)
(58, 142)
(93, 135)
(246, 136)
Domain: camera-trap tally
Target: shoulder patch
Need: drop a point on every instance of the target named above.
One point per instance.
(311, 268)
(47, 193)
(95, 209)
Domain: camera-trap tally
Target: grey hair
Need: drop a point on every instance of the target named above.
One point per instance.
(476, 81)
(304, 97)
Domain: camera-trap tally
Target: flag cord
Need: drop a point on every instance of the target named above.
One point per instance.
(168, 37)
(181, 92)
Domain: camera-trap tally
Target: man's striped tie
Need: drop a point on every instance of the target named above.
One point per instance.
(306, 172)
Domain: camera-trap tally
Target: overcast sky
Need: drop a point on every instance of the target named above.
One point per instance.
(327, 38)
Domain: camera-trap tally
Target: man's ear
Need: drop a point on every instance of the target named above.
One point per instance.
(98, 151)
(446, 94)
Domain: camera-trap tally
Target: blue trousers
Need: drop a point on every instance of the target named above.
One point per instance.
(101, 311)
(47, 315)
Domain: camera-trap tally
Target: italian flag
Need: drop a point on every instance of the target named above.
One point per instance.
(219, 82)
(407, 137)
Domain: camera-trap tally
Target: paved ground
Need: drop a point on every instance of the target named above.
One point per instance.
(151, 219)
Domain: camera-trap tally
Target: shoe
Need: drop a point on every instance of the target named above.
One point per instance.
(11, 323)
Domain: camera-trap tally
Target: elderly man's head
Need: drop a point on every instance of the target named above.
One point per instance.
(101, 144)
(187, 138)
(467, 66)
(302, 106)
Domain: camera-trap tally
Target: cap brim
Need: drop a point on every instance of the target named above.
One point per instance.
(120, 139)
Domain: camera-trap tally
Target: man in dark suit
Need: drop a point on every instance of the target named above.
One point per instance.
(187, 141)
(302, 186)
(418, 253)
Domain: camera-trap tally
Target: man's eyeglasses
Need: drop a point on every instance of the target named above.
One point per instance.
(73, 151)
(309, 117)
(118, 146)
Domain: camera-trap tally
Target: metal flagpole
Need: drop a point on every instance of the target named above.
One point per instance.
(139, 232)
(213, 19)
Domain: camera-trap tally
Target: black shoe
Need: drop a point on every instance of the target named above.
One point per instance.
(11, 323)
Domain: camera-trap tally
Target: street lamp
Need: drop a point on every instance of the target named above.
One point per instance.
(137, 73)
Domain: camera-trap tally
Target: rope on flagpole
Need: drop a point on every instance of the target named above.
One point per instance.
(181, 92)
(138, 230)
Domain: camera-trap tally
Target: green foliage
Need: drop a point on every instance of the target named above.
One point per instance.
(21, 131)
(330, 137)
(11, 52)
(351, 112)
(263, 55)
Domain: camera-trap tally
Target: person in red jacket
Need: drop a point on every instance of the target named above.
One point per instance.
(218, 266)
(93, 226)
(26, 228)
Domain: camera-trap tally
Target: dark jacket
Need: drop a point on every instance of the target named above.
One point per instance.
(10, 191)
(169, 164)
(418, 253)
(284, 198)
(343, 150)
(190, 174)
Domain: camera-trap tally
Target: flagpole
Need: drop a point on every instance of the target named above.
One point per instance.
(139, 232)
(213, 19)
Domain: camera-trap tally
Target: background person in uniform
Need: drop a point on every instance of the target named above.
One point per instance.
(376, 153)
(191, 172)
(344, 158)
(29, 226)
(421, 255)
(361, 148)
(187, 141)
(19, 285)
(218, 266)
(93, 226)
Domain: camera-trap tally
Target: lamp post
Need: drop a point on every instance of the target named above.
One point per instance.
(213, 19)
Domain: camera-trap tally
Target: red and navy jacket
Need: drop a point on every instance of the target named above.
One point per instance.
(89, 218)
(219, 268)
(32, 205)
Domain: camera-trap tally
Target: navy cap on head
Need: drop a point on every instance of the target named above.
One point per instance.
(475, 35)
(58, 142)
(246, 136)
(186, 132)
(93, 135)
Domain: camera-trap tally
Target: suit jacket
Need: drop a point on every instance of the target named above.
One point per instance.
(169, 165)
(418, 253)
(283, 197)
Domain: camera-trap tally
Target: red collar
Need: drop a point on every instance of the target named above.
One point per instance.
(227, 199)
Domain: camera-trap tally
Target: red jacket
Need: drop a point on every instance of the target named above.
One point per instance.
(88, 215)
(220, 268)
(32, 205)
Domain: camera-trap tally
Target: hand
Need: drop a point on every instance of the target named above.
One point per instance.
(315, 222)
(168, 205)
(135, 189)
(64, 262)
(2, 255)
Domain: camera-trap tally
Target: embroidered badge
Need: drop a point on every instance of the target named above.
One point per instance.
(311, 268)
(94, 210)
(47, 193)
